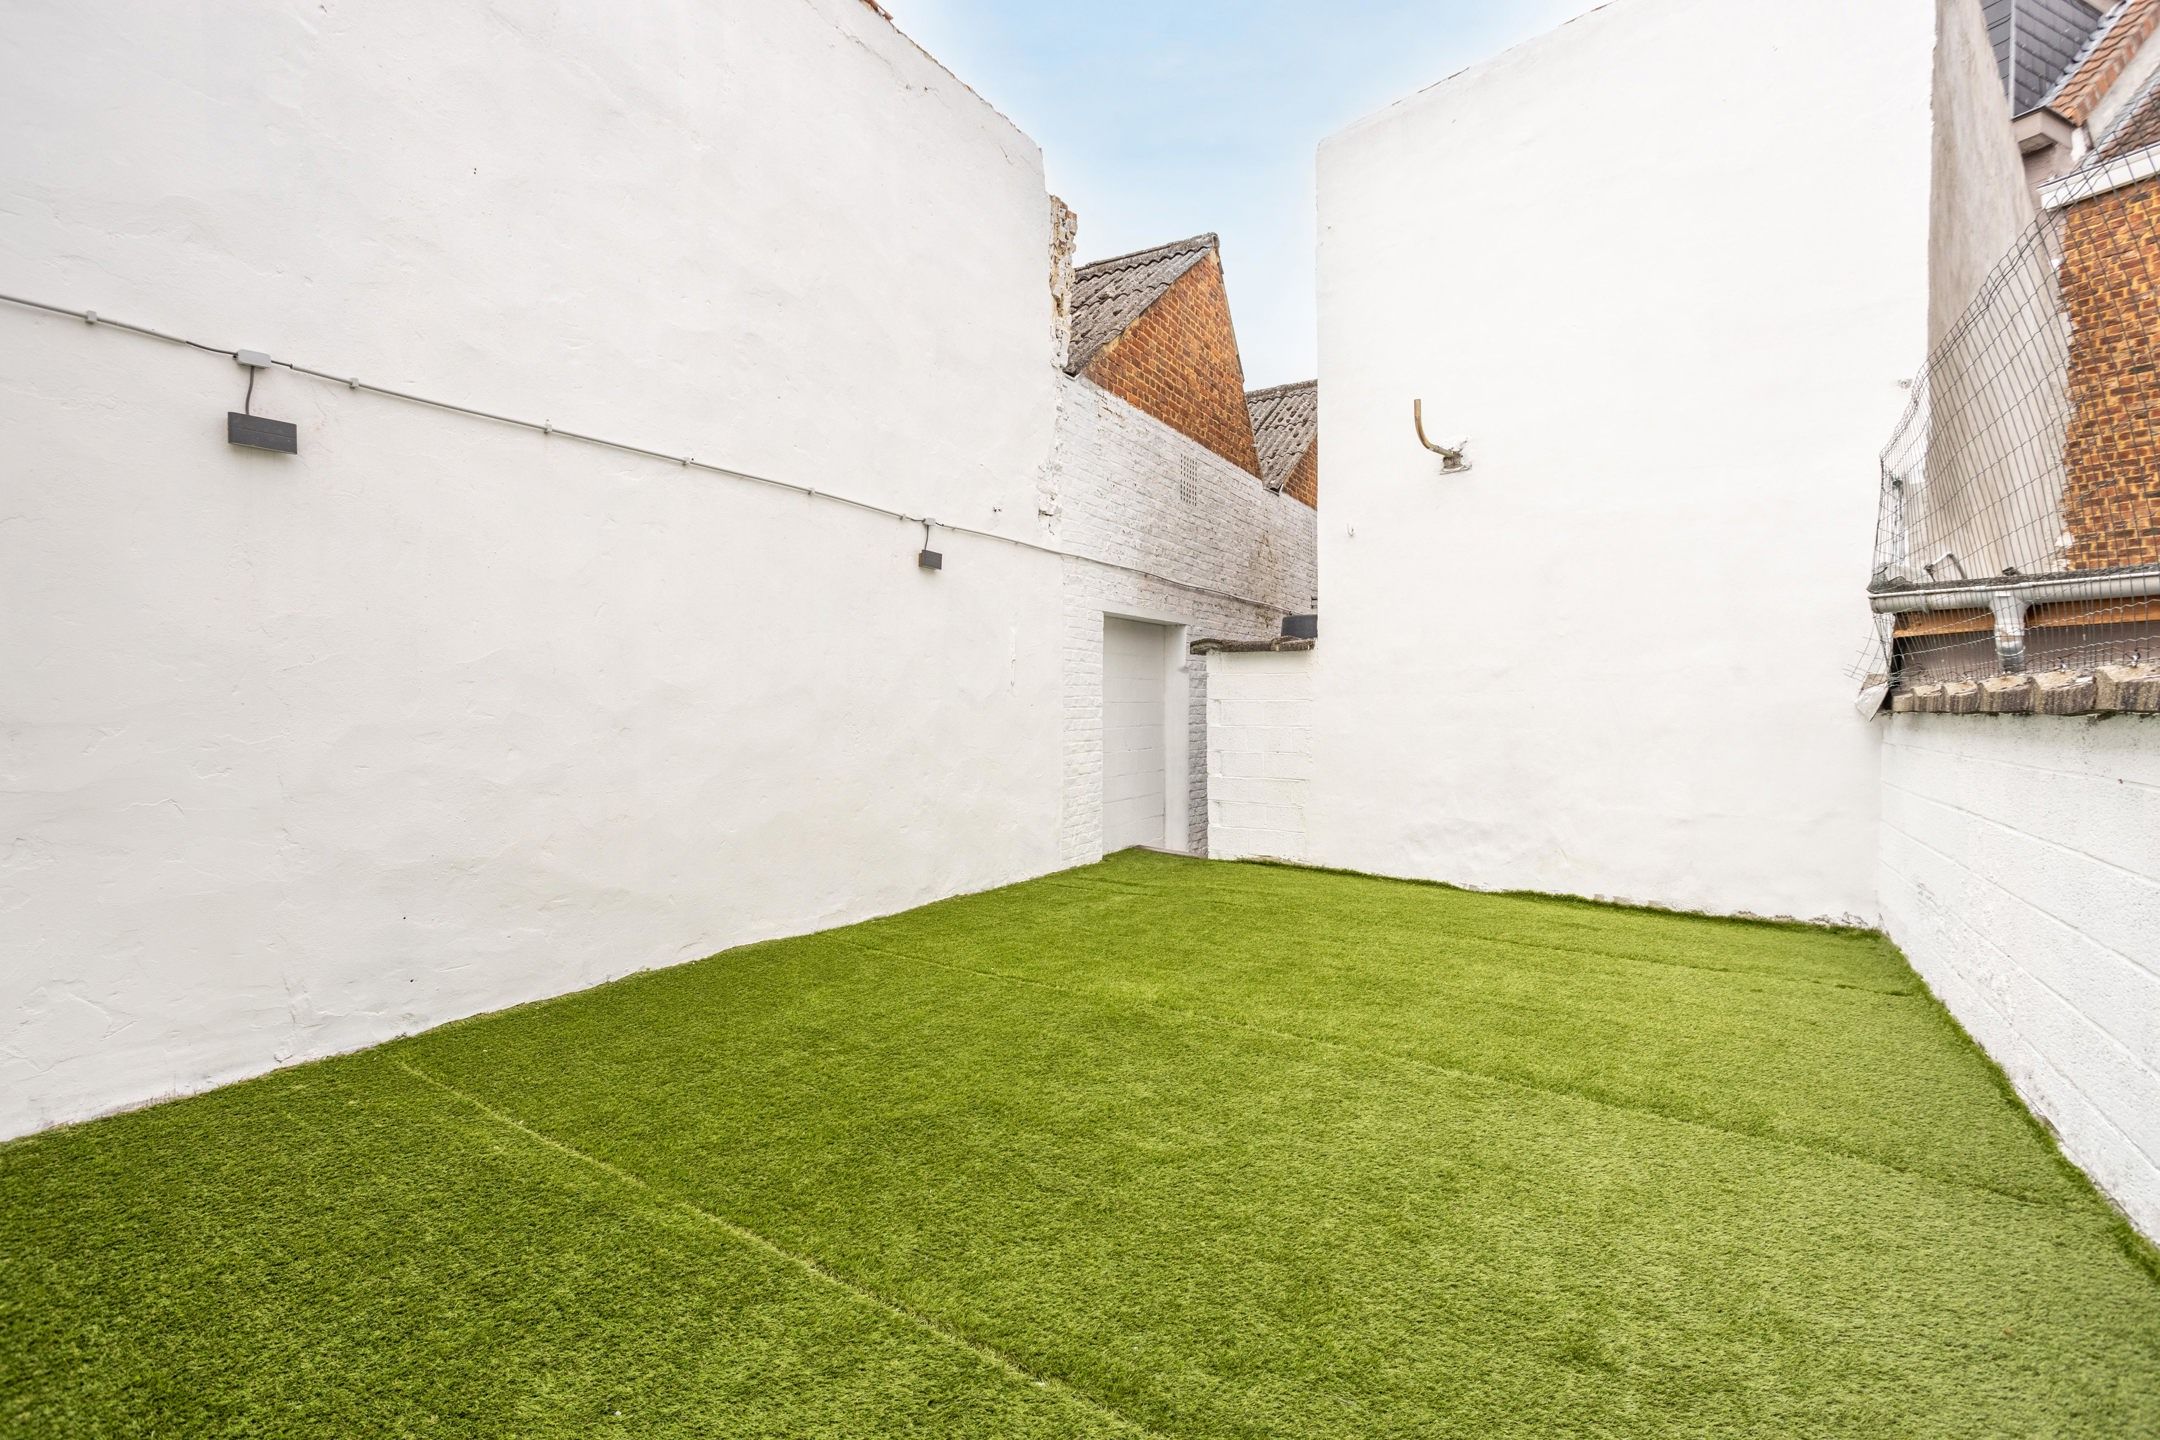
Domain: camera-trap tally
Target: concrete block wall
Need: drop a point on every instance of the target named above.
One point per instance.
(2020, 873)
(1259, 760)
(1206, 547)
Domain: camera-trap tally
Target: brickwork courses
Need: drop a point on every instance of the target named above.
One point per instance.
(1179, 362)
(1123, 489)
(2111, 291)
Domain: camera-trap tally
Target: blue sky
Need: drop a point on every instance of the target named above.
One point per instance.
(1165, 119)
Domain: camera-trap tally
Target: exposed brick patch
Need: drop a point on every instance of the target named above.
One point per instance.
(1179, 362)
(1304, 481)
(2111, 492)
(1064, 235)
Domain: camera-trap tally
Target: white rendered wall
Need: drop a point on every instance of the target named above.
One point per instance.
(1666, 268)
(1170, 533)
(1982, 203)
(297, 754)
(2021, 875)
(1260, 718)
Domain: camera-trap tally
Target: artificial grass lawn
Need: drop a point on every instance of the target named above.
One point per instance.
(1154, 1146)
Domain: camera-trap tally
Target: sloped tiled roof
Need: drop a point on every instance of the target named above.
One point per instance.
(1110, 294)
(1285, 422)
(2105, 57)
(2037, 42)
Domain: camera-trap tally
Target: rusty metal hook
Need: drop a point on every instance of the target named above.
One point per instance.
(1452, 459)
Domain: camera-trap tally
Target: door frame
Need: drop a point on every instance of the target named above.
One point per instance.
(1177, 720)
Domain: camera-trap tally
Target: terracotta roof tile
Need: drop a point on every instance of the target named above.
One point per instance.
(2122, 33)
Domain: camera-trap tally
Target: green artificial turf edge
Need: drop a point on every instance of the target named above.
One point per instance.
(2143, 1252)
(2128, 1238)
(2133, 1243)
(1554, 897)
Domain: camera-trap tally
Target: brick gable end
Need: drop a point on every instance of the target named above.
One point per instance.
(1179, 363)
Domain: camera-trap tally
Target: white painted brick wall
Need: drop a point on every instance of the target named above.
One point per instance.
(1259, 754)
(2020, 872)
(299, 754)
(1122, 487)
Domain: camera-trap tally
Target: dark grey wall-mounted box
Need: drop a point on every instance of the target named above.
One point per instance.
(259, 434)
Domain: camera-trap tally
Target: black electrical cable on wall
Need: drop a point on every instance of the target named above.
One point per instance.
(688, 462)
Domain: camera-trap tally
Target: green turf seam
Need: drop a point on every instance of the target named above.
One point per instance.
(981, 1350)
(1201, 1017)
(1771, 922)
(1767, 977)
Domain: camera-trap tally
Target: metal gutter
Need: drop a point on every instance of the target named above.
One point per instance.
(2010, 599)
(2142, 583)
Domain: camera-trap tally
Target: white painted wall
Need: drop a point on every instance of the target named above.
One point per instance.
(1260, 718)
(1165, 530)
(297, 754)
(1665, 268)
(2021, 875)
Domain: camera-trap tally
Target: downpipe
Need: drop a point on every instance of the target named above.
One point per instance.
(2010, 633)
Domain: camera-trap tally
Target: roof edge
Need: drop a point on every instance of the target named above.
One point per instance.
(2105, 176)
(1184, 256)
(1207, 241)
(2079, 61)
(2075, 93)
(877, 8)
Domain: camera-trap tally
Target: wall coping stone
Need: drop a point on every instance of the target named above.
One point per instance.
(1281, 645)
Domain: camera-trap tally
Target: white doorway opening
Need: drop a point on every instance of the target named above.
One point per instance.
(1136, 670)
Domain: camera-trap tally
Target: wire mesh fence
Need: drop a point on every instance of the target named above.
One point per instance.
(2019, 525)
